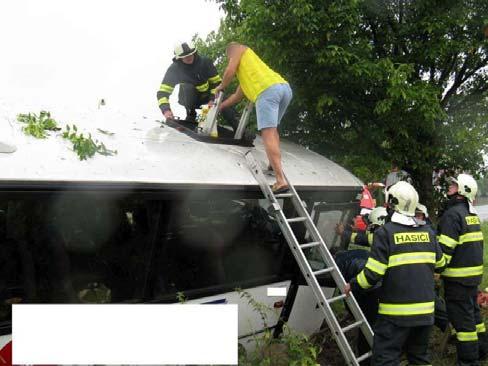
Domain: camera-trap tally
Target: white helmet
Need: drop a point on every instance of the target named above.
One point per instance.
(422, 209)
(183, 49)
(378, 216)
(467, 186)
(402, 198)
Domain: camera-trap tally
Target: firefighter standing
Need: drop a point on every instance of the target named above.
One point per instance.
(404, 256)
(461, 240)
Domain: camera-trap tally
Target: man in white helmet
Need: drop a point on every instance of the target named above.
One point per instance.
(198, 79)
(461, 240)
(404, 257)
(374, 220)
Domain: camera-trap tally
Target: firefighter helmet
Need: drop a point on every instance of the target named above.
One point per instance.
(402, 198)
(183, 49)
(378, 216)
(422, 209)
(467, 186)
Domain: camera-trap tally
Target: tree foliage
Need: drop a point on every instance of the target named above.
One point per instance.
(375, 81)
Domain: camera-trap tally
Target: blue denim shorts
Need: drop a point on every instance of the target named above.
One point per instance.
(271, 105)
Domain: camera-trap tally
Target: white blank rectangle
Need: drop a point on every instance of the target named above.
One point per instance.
(124, 334)
(276, 291)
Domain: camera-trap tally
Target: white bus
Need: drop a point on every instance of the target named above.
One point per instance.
(168, 214)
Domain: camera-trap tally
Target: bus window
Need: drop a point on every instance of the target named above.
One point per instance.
(72, 248)
(220, 242)
(326, 217)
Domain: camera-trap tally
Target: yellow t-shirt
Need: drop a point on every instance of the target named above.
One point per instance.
(255, 76)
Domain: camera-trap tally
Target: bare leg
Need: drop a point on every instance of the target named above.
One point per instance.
(271, 140)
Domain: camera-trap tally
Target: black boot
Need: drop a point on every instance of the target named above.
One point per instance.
(248, 137)
(191, 115)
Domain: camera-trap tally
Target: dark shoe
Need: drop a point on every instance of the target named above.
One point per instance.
(278, 190)
(191, 115)
(248, 137)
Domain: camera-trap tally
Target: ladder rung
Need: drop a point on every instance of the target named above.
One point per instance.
(352, 326)
(364, 356)
(322, 271)
(284, 195)
(297, 219)
(309, 245)
(333, 299)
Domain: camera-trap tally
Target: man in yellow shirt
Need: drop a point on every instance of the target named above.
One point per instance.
(268, 91)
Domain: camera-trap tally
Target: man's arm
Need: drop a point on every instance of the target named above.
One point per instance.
(233, 99)
(235, 55)
(214, 79)
(440, 257)
(376, 266)
(449, 229)
(166, 88)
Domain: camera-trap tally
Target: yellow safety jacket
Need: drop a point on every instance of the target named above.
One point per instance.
(404, 258)
(461, 240)
(255, 76)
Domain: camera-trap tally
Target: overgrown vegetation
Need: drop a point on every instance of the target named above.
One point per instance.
(85, 147)
(291, 348)
(375, 81)
(38, 125)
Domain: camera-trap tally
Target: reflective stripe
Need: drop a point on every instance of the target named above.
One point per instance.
(203, 87)
(480, 328)
(467, 336)
(463, 271)
(447, 241)
(448, 258)
(370, 238)
(411, 258)
(166, 88)
(406, 309)
(441, 262)
(215, 79)
(363, 281)
(376, 266)
(163, 100)
(213, 91)
(470, 237)
(353, 237)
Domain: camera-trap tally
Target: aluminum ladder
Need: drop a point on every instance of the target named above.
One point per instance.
(211, 118)
(310, 275)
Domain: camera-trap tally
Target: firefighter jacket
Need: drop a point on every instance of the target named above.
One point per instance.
(404, 258)
(201, 73)
(461, 240)
(360, 237)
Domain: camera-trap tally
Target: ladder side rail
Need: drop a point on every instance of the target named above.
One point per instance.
(243, 121)
(212, 123)
(312, 281)
(350, 300)
(310, 276)
(330, 262)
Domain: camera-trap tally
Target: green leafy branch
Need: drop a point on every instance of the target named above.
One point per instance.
(290, 349)
(37, 126)
(85, 147)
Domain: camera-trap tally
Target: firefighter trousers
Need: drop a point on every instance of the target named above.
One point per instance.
(390, 340)
(464, 314)
(191, 99)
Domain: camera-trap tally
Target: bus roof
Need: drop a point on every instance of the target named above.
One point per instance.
(152, 153)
